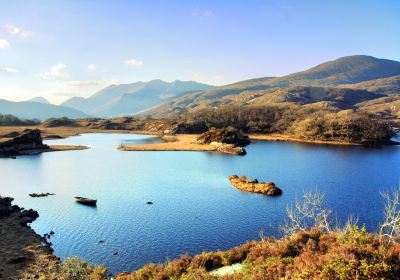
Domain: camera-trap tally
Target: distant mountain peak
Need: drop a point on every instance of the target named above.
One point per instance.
(127, 99)
(39, 99)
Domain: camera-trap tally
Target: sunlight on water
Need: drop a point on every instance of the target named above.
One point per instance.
(195, 208)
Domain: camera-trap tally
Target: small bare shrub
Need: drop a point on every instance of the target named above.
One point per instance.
(390, 229)
(307, 213)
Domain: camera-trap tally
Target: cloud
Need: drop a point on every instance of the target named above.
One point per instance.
(82, 84)
(4, 43)
(56, 71)
(91, 67)
(77, 87)
(10, 70)
(197, 12)
(208, 79)
(134, 62)
(17, 31)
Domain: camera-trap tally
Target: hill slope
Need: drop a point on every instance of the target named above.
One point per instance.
(347, 70)
(125, 99)
(36, 110)
(388, 86)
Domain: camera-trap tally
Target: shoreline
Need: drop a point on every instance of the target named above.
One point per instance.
(288, 138)
(53, 133)
(23, 253)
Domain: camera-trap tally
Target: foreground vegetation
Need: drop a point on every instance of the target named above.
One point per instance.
(312, 247)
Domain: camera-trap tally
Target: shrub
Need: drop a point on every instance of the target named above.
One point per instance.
(340, 268)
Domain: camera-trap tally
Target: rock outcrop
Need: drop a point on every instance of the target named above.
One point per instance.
(28, 140)
(226, 135)
(228, 148)
(24, 254)
(245, 184)
(226, 140)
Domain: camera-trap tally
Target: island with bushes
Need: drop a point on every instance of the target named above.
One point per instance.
(245, 184)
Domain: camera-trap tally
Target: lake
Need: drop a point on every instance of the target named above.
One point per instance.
(195, 208)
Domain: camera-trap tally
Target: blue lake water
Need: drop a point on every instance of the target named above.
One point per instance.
(195, 208)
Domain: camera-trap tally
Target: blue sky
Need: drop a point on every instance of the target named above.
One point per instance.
(59, 49)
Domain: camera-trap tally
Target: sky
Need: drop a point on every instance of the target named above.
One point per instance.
(60, 49)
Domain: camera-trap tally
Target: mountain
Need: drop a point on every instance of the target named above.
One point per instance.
(36, 110)
(39, 99)
(343, 71)
(127, 99)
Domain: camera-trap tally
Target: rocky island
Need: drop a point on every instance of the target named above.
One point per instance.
(245, 184)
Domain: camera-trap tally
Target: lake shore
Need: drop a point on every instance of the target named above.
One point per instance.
(288, 138)
(23, 253)
(177, 142)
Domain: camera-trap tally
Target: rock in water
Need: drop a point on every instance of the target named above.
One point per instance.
(30, 139)
(245, 184)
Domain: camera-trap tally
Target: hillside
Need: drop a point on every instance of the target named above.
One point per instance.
(365, 72)
(126, 99)
(336, 98)
(387, 86)
(36, 110)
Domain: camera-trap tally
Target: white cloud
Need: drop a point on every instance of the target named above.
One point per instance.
(216, 80)
(17, 31)
(91, 67)
(56, 71)
(4, 43)
(134, 62)
(82, 84)
(10, 70)
(197, 12)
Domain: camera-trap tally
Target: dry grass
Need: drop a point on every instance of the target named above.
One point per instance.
(181, 142)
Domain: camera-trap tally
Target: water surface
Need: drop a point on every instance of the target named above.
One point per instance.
(195, 208)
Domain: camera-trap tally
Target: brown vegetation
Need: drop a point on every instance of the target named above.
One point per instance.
(300, 122)
(245, 184)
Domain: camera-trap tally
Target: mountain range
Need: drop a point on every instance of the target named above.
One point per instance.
(347, 82)
(37, 110)
(127, 99)
(351, 82)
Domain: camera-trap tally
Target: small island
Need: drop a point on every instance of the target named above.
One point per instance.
(226, 140)
(245, 184)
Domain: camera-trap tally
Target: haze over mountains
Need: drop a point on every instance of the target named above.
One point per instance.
(37, 110)
(39, 99)
(127, 99)
(352, 82)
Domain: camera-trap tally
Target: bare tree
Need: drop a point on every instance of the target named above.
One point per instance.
(390, 229)
(307, 213)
